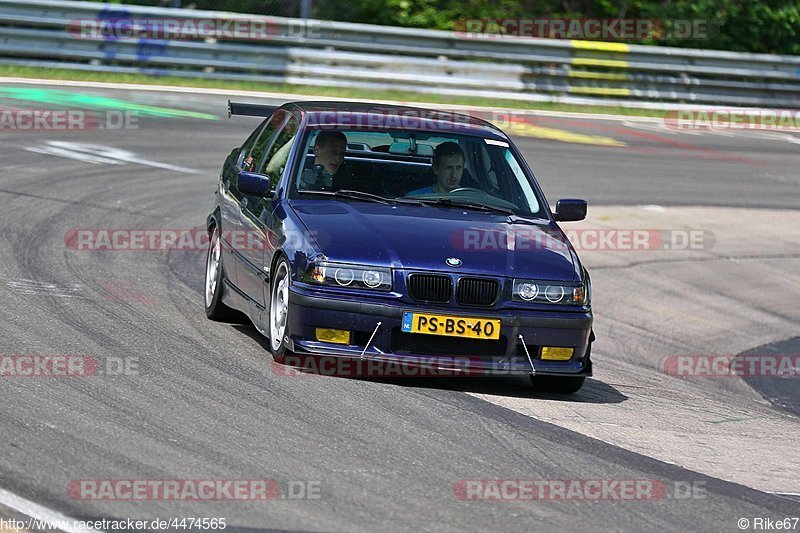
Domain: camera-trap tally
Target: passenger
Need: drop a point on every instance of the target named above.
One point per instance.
(447, 168)
(329, 149)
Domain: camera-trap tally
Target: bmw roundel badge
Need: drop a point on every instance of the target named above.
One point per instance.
(453, 262)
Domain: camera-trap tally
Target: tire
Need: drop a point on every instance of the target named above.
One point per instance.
(279, 309)
(215, 309)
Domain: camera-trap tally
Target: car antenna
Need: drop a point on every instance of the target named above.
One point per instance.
(525, 347)
(370, 339)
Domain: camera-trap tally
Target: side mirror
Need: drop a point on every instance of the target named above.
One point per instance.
(570, 210)
(255, 184)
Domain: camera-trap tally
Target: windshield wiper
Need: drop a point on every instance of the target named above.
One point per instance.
(356, 195)
(516, 219)
(467, 205)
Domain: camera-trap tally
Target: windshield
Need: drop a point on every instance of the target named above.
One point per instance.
(417, 167)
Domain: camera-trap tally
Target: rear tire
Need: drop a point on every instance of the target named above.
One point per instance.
(215, 309)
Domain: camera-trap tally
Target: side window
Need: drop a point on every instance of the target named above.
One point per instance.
(253, 156)
(278, 154)
(244, 151)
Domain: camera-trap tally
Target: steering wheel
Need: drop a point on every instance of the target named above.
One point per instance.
(460, 189)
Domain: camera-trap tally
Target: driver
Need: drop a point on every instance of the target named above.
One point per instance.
(329, 149)
(448, 167)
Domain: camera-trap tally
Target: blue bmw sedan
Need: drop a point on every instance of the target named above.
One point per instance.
(397, 233)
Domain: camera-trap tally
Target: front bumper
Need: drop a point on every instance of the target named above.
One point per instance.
(386, 343)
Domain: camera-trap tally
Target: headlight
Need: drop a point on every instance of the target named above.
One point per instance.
(551, 292)
(349, 276)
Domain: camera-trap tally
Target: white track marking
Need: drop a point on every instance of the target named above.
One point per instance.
(660, 127)
(791, 496)
(27, 286)
(100, 154)
(788, 137)
(41, 513)
(71, 154)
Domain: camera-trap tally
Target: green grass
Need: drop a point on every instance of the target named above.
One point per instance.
(144, 79)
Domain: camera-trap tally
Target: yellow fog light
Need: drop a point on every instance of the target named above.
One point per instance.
(337, 336)
(556, 354)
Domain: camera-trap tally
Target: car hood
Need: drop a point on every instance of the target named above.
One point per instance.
(425, 237)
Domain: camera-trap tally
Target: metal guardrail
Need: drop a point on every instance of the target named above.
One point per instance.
(337, 54)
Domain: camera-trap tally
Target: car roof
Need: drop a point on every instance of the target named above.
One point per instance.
(358, 115)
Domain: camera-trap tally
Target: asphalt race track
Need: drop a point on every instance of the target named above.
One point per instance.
(203, 401)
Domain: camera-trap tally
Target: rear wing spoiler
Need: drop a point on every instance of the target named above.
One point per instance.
(250, 110)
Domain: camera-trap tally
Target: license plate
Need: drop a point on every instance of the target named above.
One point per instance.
(451, 326)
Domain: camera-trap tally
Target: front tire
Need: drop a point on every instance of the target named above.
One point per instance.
(279, 309)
